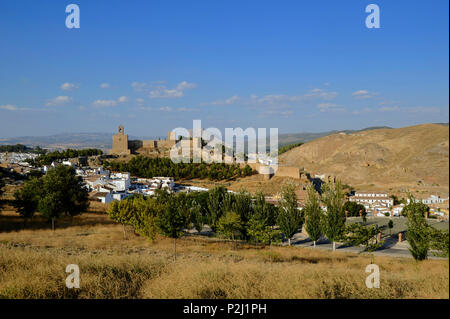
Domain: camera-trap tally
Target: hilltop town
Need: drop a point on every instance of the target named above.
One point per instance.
(128, 182)
(377, 198)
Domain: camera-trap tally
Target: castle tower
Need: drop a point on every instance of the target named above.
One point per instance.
(120, 143)
(172, 136)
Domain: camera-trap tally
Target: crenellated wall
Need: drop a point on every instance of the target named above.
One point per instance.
(123, 146)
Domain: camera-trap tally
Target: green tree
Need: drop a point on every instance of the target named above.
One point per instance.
(58, 192)
(354, 209)
(148, 167)
(243, 206)
(247, 170)
(171, 223)
(264, 211)
(139, 211)
(68, 188)
(215, 206)
(390, 226)
(196, 216)
(51, 207)
(364, 218)
(146, 211)
(357, 234)
(439, 242)
(290, 218)
(313, 215)
(228, 202)
(334, 219)
(262, 232)
(229, 225)
(121, 212)
(26, 199)
(418, 231)
(395, 200)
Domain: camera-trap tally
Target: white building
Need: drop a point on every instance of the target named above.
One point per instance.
(372, 199)
(163, 182)
(103, 197)
(397, 210)
(120, 184)
(433, 199)
(68, 163)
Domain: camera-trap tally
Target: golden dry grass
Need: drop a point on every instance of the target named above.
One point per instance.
(33, 262)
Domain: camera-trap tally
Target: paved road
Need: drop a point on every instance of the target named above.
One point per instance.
(391, 247)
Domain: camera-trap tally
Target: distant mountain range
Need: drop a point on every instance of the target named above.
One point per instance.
(104, 140)
(101, 141)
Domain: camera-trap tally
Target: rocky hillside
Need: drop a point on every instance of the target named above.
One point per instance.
(415, 156)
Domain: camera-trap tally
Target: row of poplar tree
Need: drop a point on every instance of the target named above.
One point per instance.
(250, 218)
(232, 215)
(236, 215)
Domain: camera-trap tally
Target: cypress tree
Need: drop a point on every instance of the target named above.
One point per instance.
(313, 215)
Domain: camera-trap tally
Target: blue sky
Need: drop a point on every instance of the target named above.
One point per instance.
(300, 66)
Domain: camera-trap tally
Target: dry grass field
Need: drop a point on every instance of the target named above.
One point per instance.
(33, 262)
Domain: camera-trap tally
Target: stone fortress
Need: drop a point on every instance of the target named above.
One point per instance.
(122, 146)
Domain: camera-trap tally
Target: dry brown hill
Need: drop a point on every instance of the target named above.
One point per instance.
(411, 157)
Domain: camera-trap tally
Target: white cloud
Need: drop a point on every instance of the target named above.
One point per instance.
(185, 85)
(276, 98)
(282, 99)
(321, 94)
(9, 107)
(186, 109)
(104, 103)
(360, 92)
(228, 101)
(109, 103)
(363, 94)
(122, 99)
(68, 86)
(139, 100)
(329, 107)
(414, 109)
(158, 89)
(388, 108)
(170, 109)
(139, 86)
(104, 85)
(14, 108)
(146, 87)
(163, 92)
(59, 100)
(282, 113)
